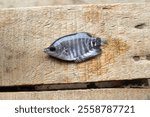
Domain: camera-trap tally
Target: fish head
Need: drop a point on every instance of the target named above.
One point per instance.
(53, 50)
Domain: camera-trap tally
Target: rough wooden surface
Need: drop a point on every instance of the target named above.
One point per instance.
(25, 32)
(106, 94)
(31, 3)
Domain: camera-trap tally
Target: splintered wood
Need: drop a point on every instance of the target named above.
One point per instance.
(25, 32)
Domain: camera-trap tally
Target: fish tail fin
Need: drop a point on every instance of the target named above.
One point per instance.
(101, 41)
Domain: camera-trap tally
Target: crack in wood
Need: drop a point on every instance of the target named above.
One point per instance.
(137, 83)
(140, 26)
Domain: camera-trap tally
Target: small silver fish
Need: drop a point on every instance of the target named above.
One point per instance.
(76, 47)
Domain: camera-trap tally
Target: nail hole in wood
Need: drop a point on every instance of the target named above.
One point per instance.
(140, 26)
(136, 58)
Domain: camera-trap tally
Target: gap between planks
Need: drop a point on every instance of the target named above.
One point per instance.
(138, 83)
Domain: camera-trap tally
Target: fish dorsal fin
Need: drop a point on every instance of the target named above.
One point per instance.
(84, 34)
(71, 36)
(60, 38)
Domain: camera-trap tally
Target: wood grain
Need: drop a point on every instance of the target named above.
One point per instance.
(94, 94)
(31, 3)
(24, 32)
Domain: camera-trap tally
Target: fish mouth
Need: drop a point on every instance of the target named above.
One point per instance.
(45, 50)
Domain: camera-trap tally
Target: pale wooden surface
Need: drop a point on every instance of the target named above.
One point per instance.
(113, 94)
(31, 3)
(25, 32)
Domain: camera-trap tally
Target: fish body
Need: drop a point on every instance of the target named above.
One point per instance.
(76, 47)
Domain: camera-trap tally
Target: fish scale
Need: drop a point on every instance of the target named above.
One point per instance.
(76, 47)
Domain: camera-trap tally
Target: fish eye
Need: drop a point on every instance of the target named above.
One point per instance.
(52, 49)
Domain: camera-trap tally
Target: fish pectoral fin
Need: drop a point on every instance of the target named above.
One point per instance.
(65, 52)
(88, 55)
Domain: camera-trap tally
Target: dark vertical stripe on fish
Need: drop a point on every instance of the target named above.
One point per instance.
(85, 45)
(69, 50)
(79, 47)
(90, 44)
(82, 48)
(76, 47)
(72, 48)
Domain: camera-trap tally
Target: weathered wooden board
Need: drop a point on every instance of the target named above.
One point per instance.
(31, 3)
(24, 32)
(107, 94)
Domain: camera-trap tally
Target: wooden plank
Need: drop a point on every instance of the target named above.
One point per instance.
(107, 94)
(31, 3)
(24, 32)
